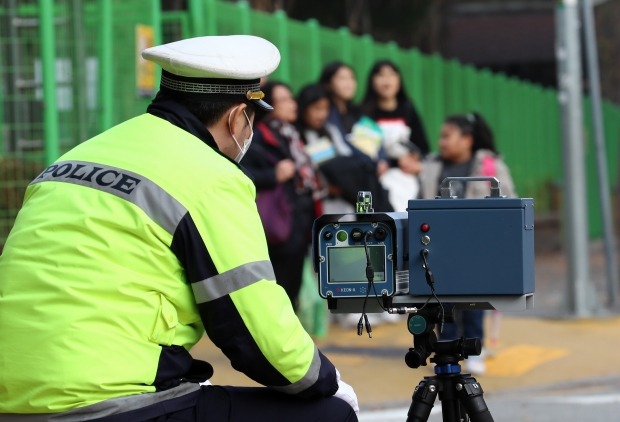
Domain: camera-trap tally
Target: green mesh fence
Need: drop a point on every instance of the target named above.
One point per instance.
(21, 134)
(51, 93)
(58, 91)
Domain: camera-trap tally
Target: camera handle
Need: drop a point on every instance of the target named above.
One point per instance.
(446, 192)
(460, 394)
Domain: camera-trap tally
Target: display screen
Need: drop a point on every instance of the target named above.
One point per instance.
(348, 264)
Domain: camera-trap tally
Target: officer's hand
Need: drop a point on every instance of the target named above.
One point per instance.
(345, 392)
(285, 170)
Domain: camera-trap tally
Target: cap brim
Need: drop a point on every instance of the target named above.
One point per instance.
(262, 105)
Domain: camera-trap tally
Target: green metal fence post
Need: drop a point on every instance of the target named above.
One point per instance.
(611, 119)
(437, 101)
(518, 119)
(414, 78)
(535, 111)
(345, 37)
(244, 19)
(106, 68)
(48, 64)
(472, 86)
(363, 66)
(314, 48)
(485, 84)
(392, 51)
(211, 17)
(156, 21)
(197, 17)
(156, 17)
(284, 70)
(454, 102)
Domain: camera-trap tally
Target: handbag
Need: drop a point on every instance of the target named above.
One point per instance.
(276, 214)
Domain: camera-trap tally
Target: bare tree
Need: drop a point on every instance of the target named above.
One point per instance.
(431, 35)
(358, 16)
(273, 5)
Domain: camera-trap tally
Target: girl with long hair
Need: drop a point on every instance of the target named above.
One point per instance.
(466, 148)
(403, 137)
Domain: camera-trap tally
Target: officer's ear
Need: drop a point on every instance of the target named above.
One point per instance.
(235, 119)
(250, 110)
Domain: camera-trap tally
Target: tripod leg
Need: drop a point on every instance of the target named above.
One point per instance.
(451, 407)
(422, 401)
(470, 394)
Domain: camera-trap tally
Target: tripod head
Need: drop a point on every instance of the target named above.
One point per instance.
(460, 394)
(447, 352)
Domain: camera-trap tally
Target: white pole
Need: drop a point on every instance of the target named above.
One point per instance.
(574, 191)
(601, 161)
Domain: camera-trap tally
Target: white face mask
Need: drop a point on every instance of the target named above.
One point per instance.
(246, 142)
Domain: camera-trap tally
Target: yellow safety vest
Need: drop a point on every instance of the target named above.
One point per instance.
(120, 248)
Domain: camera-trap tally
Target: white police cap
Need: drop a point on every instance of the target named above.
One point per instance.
(203, 67)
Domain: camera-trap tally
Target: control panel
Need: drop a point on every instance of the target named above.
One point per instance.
(344, 250)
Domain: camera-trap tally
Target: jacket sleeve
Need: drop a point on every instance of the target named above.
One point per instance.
(245, 313)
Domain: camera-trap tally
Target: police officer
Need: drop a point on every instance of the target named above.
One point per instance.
(138, 240)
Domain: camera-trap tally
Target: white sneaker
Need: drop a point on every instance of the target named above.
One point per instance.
(475, 365)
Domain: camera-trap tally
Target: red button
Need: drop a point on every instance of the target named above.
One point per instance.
(425, 227)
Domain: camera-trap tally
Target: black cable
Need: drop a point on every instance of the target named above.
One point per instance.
(370, 275)
(430, 280)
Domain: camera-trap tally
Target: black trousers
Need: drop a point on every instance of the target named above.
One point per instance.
(236, 404)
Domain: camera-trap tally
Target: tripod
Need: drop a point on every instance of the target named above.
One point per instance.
(460, 394)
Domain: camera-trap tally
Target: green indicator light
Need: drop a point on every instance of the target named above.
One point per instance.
(341, 236)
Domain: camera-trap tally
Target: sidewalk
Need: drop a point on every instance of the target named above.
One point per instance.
(536, 348)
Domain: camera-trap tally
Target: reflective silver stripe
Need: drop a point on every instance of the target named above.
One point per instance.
(158, 204)
(308, 380)
(232, 280)
(116, 406)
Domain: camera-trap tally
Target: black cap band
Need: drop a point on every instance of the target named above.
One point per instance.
(209, 88)
(208, 85)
